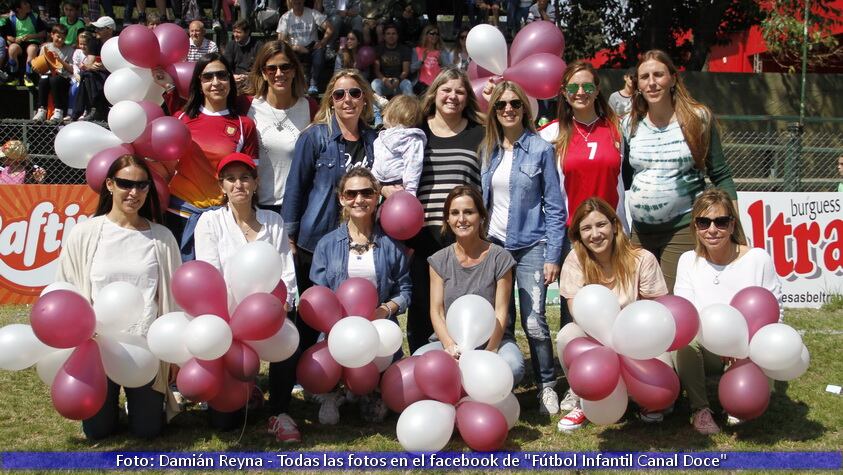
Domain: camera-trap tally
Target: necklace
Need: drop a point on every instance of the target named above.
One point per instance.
(716, 280)
(360, 249)
(280, 123)
(591, 126)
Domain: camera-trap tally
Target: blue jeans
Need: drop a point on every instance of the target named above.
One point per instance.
(405, 87)
(515, 15)
(509, 351)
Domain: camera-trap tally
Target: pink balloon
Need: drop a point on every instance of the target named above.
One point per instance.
(358, 297)
(536, 37)
(685, 316)
(165, 139)
(320, 308)
(182, 73)
(476, 71)
(241, 361)
(80, 386)
(594, 374)
(758, 306)
(233, 394)
(650, 383)
(482, 426)
(402, 215)
(153, 110)
(363, 380)
(98, 166)
(199, 289)
(62, 319)
(173, 43)
(280, 291)
(576, 347)
(139, 46)
(398, 385)
(538, 74)
(477, 85)
(162, 189)
(200, 380)
(438, 376)
(744, 390)
(317, 371)
(257, 317)
(365, 57)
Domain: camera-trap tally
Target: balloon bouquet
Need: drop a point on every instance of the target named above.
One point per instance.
(534, 60)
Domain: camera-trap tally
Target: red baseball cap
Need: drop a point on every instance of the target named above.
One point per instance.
(235, 157)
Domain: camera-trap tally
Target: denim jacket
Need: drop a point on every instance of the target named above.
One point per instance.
(310, 208)
(537, 210)
(392, 266)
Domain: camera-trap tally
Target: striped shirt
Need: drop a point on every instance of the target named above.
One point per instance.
(448, 162)
(196, 52)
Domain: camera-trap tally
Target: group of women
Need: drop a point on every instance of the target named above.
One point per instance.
(497, 197)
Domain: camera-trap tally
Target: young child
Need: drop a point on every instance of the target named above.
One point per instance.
(399, 148)
(72, 21)
(55, 83)
(18, 170)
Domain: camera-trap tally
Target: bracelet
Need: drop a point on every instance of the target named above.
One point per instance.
(388, 310)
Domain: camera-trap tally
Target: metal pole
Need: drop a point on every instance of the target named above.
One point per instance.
(804, 61)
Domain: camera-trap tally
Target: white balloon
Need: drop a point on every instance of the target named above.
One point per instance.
(118, 306)
(595, 309)
(166, 338)
(278, 347)
(111, 57)
(383, 362)
(470, 321)
(127, 359)
(426, 426)
(50, 364)
(59, 286)
(609, 409)
(127, 120)
(486, 376)
(487, 47)
(154, 94)
(794, 371)
(353, 342)
(256, 267)
(77, 142)
(776, 347)
(20, 348)
(127, 84)
(723, 331)
(510, 408)
(643, 330)
(433, 345)
(208, 337)
(390, 335)
(565, 335)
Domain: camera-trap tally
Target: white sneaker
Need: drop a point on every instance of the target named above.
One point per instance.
(570, 402)
(329, 411)
(548, 401)
(733, 421)
(57, 116)
(216, 25)
(40, 115)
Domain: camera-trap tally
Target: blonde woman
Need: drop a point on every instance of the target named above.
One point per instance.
(429, 57)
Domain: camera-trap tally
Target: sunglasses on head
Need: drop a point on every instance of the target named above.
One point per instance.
(587, 87)
(209, 76)
(127, 185)
(516, 104)
(271, 69)
(352, 194)
(720, 222)
(354, 92)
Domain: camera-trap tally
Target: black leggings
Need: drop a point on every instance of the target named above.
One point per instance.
(419, 327)
(146, 413)
(56, 85)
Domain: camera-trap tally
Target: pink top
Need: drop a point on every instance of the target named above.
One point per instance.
(431, 65)
(12, 178)
(648, 281)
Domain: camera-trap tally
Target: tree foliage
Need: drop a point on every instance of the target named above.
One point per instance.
(783, 30)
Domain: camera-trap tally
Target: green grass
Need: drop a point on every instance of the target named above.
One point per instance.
(801, 416)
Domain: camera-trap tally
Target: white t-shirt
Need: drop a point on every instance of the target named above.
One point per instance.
(696, 276)
(301, 30)
(500, 197)
(112, 263)
(363, 265)
(278, 130)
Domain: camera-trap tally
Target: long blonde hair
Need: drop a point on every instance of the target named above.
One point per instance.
(624, 253)
(708, 199)
(494, 129)
(326, 110)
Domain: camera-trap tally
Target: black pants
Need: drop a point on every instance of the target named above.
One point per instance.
(226, 421)
(56, 85)
(146, 413)
(419, 326)
(91, 93)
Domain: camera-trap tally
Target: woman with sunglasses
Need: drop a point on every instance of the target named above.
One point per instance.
(720, 265)
(360, 248)
(454, 130)
(459, 54)
(527, 217)
(602, 254)
(671, 145)
(429, 56)
(123, 242)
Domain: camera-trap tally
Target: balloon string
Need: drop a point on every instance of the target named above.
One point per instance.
(245, 416)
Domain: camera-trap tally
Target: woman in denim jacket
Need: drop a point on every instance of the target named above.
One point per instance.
(527, 217)
(359, 248)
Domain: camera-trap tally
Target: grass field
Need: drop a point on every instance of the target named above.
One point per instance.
(801, 416)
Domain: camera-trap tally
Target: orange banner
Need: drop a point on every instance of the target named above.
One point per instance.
(34, 222)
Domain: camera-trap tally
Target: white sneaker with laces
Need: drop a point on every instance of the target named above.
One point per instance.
(57, 116)
(548, 401)
(570, 402)
(40, 115)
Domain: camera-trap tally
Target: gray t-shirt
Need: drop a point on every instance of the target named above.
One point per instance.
(480, 279)
(619, 103)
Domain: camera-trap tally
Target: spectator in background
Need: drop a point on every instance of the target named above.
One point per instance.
(392, 65)
(55, 82)
(344, 15)
(94, 9)
(621, 101)
(429, 57)
(300, 27)
(490, 9)
(542, 10)
(23, 32)
(72, 21)
(470, 8)
(516, 14)
(153, 19)
(241, 52)
(104, 28)
(78, 59)
(91, 100)
(347, 55)
(199, 45)
(161, 5)
(459, 55)
(16, 168)
(409, 26)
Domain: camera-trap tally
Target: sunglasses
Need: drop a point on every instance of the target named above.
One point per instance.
(127, 185)
(516, 104)
(222, 75)
(354, 92)
(271, 69)
(587, 87)
(366, 193)
(432, 33)
(720, 222)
